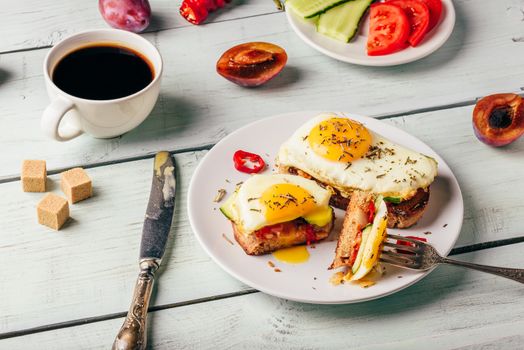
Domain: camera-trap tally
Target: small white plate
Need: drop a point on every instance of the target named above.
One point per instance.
(355, 51)
(308, 282)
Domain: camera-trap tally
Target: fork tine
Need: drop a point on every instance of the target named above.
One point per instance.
(388, 260)
(401, 247)
(401, 238)
(400, 256)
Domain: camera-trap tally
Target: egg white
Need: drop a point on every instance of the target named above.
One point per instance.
(250, 212)
(397, 174)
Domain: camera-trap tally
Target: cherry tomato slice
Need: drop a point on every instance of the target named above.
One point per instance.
(418, 16)
(388, 29)
(435, 11)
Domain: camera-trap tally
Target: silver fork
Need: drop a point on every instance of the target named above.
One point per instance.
(423, 256)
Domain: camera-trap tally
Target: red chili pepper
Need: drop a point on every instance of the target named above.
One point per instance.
(240, 158)
(409, 244)
(372, 210)
(196, 11)
(221, 3)
(193, 11)
(210, 5)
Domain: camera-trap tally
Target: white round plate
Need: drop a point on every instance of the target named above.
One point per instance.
(355, 51)
(309, 282)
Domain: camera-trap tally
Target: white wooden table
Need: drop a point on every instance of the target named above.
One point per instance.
(70, 289)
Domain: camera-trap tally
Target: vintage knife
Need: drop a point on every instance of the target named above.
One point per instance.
(157, 224)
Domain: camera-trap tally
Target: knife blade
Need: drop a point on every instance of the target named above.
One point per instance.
(155, 233)
(159, 213)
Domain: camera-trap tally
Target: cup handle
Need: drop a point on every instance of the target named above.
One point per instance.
(52, 117)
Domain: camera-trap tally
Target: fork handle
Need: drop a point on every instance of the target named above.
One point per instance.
(514, 274)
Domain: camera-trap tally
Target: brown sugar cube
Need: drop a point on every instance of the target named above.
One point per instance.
(76, 185)
(34, 175)
(53, 211)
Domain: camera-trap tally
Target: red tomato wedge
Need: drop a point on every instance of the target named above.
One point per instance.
(435, 11)
(388, 29)
(418, 16)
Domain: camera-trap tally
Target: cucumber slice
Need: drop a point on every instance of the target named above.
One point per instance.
(378, 201)
(341, 23)
(394, 200)
(311, 8)
(358, 260)
(227, 208)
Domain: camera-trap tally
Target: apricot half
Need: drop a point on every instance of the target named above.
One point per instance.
(499, 119)
(252, 64)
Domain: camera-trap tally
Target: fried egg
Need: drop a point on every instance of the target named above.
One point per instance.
(265, 200)
(346, 155)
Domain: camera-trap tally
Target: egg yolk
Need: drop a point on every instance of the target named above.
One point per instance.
(286, 202)
(340, 139)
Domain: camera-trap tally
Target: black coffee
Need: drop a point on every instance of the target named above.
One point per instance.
(102, 72)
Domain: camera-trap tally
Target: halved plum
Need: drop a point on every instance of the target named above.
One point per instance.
(252, 64)
(499, 119)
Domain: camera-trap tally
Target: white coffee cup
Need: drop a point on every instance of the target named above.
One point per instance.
(69, 116)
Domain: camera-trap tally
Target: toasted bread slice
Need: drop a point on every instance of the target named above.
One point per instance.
(355, 219)
(400, 215)
(292, 233)
(408, 212)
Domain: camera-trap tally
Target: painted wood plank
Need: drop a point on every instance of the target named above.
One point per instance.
(488, 177)
(451, 308)
(197, 107)
(89, 268)
(33, 24)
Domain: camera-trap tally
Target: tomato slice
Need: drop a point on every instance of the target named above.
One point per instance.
(356, 248)
(435, 11)
(418, 16)
(388, 29)
(372, 210)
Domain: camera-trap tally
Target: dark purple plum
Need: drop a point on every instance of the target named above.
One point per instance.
(499, 119)
(130, 15)
(252, 64)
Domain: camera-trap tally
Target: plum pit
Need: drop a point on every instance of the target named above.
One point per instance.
(498, 119)
(252, 56)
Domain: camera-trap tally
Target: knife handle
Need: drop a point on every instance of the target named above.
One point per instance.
(133, 333)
